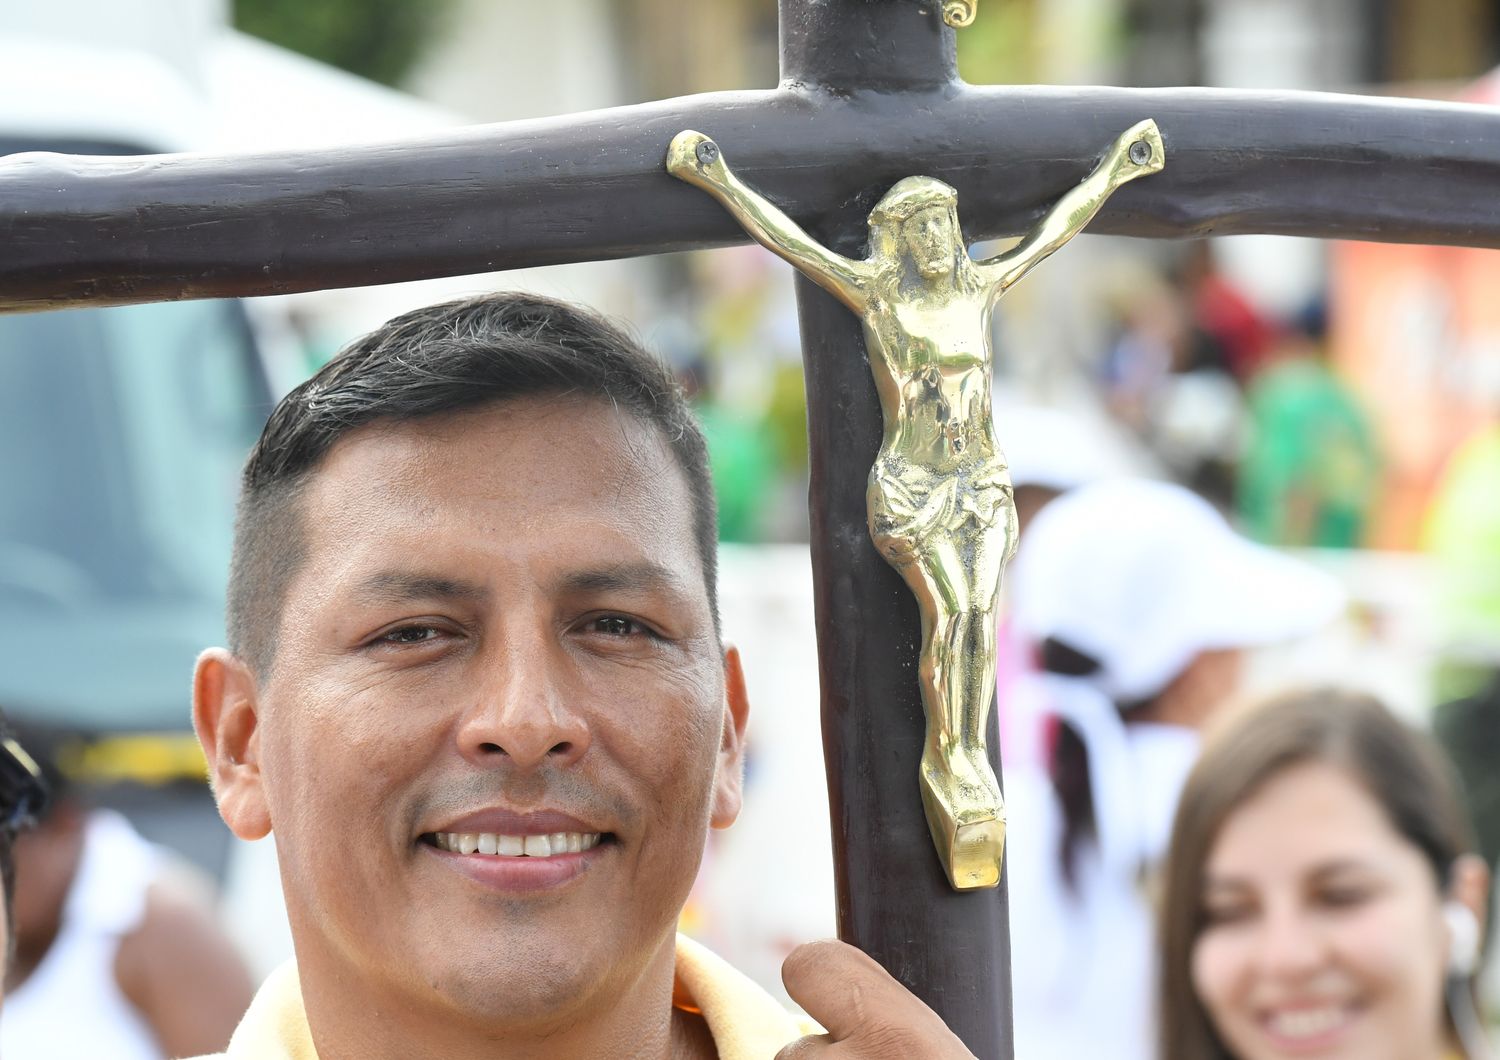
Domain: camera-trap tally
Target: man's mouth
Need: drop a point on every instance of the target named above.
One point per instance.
(515, 846)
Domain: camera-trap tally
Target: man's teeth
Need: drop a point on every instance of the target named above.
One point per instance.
(515, 846)
(1307, 1023)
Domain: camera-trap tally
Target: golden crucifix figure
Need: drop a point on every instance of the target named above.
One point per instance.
(939, 496)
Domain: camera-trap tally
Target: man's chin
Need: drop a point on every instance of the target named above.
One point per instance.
(523, 990)
(530, 982)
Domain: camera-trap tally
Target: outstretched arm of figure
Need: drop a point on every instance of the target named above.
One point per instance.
(1122, 163)
(696, 159)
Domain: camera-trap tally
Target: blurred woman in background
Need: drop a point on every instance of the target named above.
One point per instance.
(1140, 603)
(1321, 898)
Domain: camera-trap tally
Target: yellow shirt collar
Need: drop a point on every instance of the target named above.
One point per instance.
(745, 1021)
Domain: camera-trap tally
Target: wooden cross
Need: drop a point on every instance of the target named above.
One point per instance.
(869, 95)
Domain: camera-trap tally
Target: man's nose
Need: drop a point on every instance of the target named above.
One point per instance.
(523, 711)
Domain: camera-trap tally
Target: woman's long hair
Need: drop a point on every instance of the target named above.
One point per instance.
(1400, 769)
(1069, 765)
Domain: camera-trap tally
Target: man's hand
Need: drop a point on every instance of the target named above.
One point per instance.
(868, 1014)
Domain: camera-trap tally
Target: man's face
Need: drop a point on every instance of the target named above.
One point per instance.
(500, 638)
(930, 241)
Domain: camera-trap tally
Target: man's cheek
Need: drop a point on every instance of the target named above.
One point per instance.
(352, 691)
(316, 774)
(676, 748)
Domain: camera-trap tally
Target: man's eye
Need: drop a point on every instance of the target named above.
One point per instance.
(410, 635)
(616, 626)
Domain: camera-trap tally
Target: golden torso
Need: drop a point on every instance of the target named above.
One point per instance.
(939, 474)
(930, 358)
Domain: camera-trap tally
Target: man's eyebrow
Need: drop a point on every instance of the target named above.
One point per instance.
(400, 586)
(643, 576)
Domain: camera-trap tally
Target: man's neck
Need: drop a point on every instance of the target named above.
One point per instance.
(691, 1039)
(372, 1024)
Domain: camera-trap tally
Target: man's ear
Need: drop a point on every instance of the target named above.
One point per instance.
(729, 774)
(226, 716)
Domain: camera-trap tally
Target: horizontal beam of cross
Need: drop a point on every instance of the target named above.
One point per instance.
(592, 186)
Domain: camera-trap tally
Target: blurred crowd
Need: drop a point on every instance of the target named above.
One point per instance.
(1177, 519)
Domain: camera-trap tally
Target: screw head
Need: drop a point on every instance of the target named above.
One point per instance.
(707, 152)
(960, 13)
(1140, 152)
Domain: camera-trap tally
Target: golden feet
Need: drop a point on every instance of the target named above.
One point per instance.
(966, 815)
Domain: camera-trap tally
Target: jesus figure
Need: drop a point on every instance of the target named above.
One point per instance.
(939, 497)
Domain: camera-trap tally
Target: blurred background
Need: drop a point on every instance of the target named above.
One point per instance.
(1338, 399)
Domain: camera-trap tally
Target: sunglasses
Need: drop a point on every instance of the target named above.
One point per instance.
(23, 793)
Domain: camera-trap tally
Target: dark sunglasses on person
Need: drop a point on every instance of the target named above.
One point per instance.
(23, 793)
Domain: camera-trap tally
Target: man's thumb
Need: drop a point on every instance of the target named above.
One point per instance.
(833, 982)
(859, 1001)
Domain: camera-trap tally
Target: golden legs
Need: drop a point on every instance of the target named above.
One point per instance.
(965, 810)
(949, 539)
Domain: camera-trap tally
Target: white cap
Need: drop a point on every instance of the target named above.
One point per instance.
(1142, 576)
(1061, 448)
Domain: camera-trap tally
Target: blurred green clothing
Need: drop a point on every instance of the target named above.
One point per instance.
(742, 465)
(1311, 468)
(1462, 534)
(786, 419)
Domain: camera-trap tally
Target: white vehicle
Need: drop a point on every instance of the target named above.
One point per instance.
(122, 431)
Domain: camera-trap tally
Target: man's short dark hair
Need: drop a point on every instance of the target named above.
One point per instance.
(442, 359)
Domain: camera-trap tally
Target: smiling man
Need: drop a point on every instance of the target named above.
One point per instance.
(477, 691)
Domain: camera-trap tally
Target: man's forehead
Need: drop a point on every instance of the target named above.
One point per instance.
(576, 464)
(521, 440)
(502, 422)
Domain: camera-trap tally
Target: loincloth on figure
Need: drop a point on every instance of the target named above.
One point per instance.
(911, 504)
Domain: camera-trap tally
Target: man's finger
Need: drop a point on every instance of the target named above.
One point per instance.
(859, 1003)
(836, 984)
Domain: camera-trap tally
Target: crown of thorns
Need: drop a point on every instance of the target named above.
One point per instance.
(910, 195)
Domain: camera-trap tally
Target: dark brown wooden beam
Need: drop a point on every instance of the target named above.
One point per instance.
(866, 46)
(894, 902)
(591, 186)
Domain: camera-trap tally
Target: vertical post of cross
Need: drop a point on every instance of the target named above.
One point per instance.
(894, 902)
